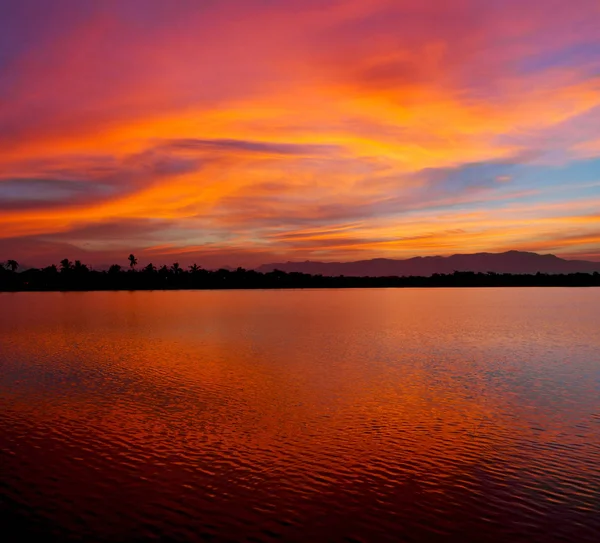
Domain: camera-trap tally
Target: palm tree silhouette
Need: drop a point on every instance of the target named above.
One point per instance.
(175, 268)
(132, 261)
(65, 264)
(194, 268)
(79, 267)
(150, 268)
(12, 265)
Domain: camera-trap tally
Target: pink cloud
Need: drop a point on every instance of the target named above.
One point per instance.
(233, 121)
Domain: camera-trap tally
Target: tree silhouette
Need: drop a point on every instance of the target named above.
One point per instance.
(163, 272)
(78, 276)
(79, 267)
(132, 261)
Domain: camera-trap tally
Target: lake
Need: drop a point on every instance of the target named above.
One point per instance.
(318, 415)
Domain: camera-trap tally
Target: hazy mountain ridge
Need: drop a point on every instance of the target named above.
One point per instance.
(508, 262)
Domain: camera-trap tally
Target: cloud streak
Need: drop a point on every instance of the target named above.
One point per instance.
(299, 129)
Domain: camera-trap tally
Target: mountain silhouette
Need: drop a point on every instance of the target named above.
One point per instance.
(509, 262)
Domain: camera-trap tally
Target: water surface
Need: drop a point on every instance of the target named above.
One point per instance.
(339, 415)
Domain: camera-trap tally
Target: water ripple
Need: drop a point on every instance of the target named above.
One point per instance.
(273, 416)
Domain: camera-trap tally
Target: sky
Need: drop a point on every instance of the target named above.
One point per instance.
(243, 132)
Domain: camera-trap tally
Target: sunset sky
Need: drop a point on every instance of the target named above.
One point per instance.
(241, 132)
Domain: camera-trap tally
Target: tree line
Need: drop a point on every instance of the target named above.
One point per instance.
(75, 275)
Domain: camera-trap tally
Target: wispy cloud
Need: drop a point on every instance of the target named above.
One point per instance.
(302, 129)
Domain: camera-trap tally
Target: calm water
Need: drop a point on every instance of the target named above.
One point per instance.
(352, 415)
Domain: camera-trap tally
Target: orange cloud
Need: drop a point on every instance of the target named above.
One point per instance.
(381, 128)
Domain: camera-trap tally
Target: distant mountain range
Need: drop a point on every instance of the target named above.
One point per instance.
(509, 262)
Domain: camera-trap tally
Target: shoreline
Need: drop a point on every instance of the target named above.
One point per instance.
(407, 287)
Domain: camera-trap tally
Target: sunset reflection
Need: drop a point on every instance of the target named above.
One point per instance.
(234, 407)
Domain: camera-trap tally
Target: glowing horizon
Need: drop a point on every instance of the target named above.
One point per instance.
(242, 132)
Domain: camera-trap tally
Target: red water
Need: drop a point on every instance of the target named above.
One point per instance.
(345, 415)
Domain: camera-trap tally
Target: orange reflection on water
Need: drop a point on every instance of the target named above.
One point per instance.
(415, 410)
